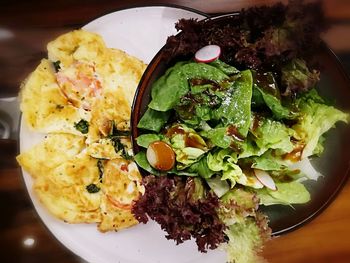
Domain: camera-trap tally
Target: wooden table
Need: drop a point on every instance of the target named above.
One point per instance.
(32, 24)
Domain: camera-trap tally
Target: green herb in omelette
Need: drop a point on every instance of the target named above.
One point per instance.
(100, 168)
(57, 65)
(82, 126)
(93, 188)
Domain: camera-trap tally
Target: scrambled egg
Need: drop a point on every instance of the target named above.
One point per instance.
(81, 97)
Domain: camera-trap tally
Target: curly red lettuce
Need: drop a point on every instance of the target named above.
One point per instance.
(183, 208)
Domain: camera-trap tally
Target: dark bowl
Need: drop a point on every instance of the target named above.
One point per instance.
(334, 163)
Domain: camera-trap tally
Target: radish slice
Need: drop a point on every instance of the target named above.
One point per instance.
(160, 156)
(265, 179)
(208, 54)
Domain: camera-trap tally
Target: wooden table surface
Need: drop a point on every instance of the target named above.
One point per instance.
(26, 27)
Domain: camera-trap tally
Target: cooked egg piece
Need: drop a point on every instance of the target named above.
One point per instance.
(56, 149)
(120, 186)
(64, 191)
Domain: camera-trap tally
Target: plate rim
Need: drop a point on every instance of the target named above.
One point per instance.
(136, 6)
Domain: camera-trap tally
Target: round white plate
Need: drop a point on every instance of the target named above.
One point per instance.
(140, 32)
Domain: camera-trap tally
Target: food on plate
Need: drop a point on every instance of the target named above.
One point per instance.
(121, 185)
(242, 127)
(63, 191)
(56, 147)
(43, 106)
(81, 97)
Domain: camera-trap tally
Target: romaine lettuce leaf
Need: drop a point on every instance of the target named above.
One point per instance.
(271, 134)
(188, 146)
(217, 161)
(275, 105)
(201, 168)
(226, 68)
(234, 174)
(286, 194)
(268, 161)
(316, 119)
(267, 92)
(249, 148)
(236, 107)
(218, 136)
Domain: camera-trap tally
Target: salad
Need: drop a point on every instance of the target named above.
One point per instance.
(227, 132)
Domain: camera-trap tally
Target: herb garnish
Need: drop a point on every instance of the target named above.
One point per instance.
(82, 126)
(57, 65)
(92, 188)
(119, 147)
(100, 169)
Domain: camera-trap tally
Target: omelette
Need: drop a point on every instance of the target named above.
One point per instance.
(81, 96)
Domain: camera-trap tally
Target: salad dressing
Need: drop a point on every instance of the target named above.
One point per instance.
(191, 140)
(295, 155)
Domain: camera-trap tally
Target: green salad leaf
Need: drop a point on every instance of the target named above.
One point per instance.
(244, 242)
(316, 119)
(153, 120)
(144, 140)
(168, 90)
(286, 194)
(236, 107)
(271, 134)
(296, 76)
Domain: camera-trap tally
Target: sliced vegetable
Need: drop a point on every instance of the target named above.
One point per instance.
(208, 54)
(160, 156)
(265, 179)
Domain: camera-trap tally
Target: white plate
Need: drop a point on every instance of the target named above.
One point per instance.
(140, 32)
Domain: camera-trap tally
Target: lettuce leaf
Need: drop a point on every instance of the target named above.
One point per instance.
(296, 77)
(219, 186)
(188, 146)
(237, 204)
(244, 242)
(146, 139)
(316, 119)
(286, 194)
(266, 92)
(168, 90)
(236, 107)
(153, 120)
(218, 137)
(224, 162)
(271, 134)
(219, 160)
(201, 168)
(224, 67)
